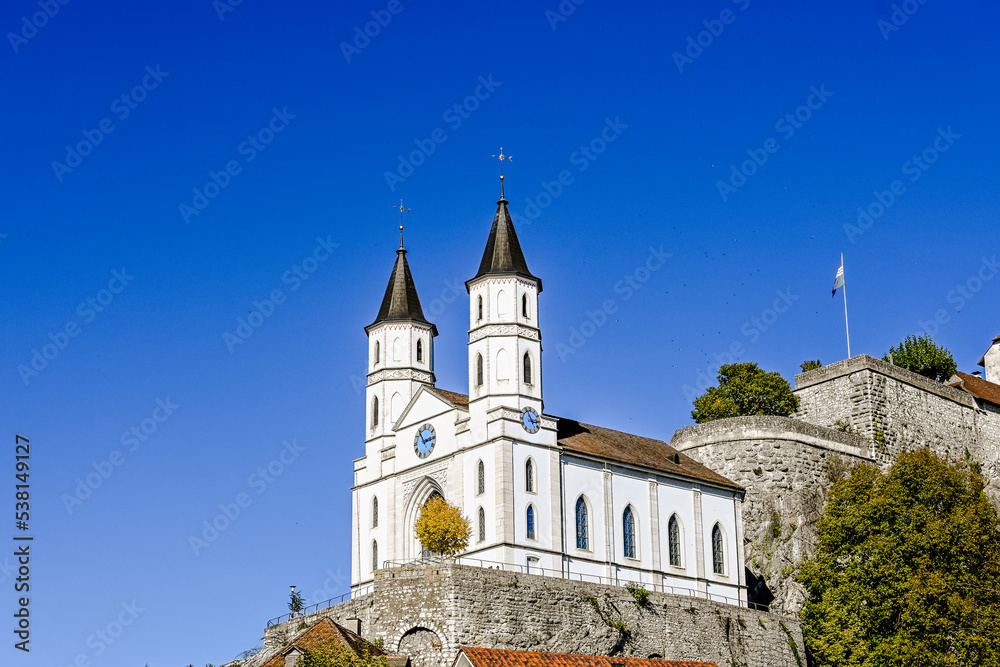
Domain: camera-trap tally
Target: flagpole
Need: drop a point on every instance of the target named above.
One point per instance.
(846, 324)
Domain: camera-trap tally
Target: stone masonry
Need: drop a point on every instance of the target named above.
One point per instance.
(786, 466)
(899, 411)
(429, 611)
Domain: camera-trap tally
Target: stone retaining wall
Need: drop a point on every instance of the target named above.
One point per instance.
(430, 611)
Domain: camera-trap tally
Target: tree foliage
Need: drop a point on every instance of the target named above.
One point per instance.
(922, 355)
(333, 654)
(906, 570)
(296, 602)
(441, 528)
(744, 390)
(808, 365)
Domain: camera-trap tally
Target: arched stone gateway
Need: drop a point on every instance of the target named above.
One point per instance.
(423, 646)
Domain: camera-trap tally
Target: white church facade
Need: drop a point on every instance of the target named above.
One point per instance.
(543, 493)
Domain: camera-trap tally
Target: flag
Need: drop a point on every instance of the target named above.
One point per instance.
(838, 282)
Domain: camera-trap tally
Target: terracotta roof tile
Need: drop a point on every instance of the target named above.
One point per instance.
(317, 635)
(493, 657)
(636, 450)
(978, 387)
(460, 400)
(614, 445)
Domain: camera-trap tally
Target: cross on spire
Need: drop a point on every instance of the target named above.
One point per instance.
(402, 210)
(502, 157)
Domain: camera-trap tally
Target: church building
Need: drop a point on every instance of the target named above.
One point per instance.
(543, 494)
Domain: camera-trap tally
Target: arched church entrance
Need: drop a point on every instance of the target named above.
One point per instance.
(425, 489)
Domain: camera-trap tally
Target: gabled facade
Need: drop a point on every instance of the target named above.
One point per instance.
(543, 494)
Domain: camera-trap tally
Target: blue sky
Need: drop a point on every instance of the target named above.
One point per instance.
(626, 125)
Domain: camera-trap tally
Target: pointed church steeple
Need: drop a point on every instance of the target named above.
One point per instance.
(503, 253)
(401, 302)
(400, 354)
(505, 340)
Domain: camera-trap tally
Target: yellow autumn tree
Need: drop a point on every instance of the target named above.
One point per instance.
(441, 528)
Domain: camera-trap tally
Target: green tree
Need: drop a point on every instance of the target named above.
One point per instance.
(744, 389)
(807, 365)
(332, 654)
(296, 602)
(922, 355)
(441, 528)
(906, 569)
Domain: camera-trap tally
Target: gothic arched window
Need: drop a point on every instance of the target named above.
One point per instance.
(530, 523)
(420, 351)
(375, 512)
(628, 532)
(527, 368)
(482, 525)
(718, 555)
(674, 541)
(529, 476)
(374, 555)
(479, 312)
(481, 477)
(377, 352)
(479, 370)
(582, 531)
(374, 411)
(524, 305)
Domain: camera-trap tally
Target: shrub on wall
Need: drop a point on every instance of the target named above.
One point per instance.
(922, 355)
(745, 390)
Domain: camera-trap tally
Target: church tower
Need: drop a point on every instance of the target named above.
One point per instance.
(400, 355)
(505, 342)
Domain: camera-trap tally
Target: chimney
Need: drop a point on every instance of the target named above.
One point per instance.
(354, 625)
(991, 362)
(977, 374)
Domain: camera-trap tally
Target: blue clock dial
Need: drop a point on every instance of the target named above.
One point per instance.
(423, 442)
(530, 420)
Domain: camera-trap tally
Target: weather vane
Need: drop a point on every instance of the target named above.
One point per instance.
(402, 210)
(502, 157)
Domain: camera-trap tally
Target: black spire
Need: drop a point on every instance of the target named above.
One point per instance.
(503, 251)
(401, 303)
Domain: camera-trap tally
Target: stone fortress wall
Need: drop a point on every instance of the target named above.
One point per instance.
(428, 611)
(901, 411)
(861, 410)
(786, 467)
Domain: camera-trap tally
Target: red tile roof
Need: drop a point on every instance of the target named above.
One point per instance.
(613, 445)
(317, 635)
(978, 387)
(458, 400)
(636, 450)
(494, 657)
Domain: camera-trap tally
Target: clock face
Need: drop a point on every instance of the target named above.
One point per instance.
(423, 442)
(529, 420)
